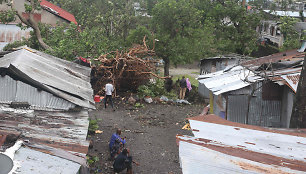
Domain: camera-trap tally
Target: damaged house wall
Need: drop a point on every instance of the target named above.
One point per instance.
(17, 91)
(44, 82)
(213, 64)
(271, 110)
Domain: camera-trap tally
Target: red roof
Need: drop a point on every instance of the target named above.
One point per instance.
(57, 11)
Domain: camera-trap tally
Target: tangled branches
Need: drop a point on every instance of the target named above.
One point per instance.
(127, 70)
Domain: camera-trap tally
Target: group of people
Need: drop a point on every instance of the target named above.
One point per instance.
(120, 155)
(183, 83)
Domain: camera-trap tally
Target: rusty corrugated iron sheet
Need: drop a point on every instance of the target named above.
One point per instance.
(61, 134)
(221, 146)
(283, 56)
(289, 76)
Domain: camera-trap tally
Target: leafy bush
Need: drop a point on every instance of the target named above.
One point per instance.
(155, 89)
(93, 125)
(145, 90)
(92, 160)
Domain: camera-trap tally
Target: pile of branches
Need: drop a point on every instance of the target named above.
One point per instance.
(127, 70)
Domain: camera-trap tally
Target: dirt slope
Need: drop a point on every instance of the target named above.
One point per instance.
(150, 133)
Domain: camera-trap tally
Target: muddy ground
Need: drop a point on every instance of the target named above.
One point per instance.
(150, 133)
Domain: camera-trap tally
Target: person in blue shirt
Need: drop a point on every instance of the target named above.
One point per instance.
(115, 143)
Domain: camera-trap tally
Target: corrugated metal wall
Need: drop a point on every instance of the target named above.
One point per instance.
(237, 108)
(265, 113)
(17, 91)
(10, 33)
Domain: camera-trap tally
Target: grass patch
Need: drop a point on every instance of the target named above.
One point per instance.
(192, 80)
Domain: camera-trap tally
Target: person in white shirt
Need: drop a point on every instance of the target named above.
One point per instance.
(109, 89)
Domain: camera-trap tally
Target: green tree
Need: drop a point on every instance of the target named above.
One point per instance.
(290, 34)
(30, 7)
(178, 31)
(234, 27)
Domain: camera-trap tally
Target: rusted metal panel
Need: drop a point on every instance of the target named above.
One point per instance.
(221, 146)
(63, 130)
(283, 56)
(292, 80)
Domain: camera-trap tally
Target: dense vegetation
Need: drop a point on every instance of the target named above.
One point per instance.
(183, 30)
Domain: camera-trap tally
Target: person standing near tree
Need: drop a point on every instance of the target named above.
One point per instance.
(109, 89)
(183, 86)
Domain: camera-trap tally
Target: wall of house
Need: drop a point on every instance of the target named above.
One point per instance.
(262, 112)
(287, 105)
(212, 65)
(219, 106)
(49, 18)
(11, 33)
(17, 91)
(271, 30)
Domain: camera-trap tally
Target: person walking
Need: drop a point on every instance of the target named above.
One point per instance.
(183, 86)
(109, 89)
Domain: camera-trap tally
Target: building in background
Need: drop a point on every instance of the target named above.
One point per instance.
(50, 14)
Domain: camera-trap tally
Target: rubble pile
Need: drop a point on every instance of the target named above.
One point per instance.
(127, 70)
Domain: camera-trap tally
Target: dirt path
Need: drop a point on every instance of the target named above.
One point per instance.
(191, 69)
(150, 133)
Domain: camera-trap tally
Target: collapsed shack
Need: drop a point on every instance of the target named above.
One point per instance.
(127, 70)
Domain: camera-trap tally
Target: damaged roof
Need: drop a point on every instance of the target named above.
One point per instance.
(229, 56)
(221, 146)
(290, 55)
(62, 78)
(231, 79)
(282, 68)
(54, 141)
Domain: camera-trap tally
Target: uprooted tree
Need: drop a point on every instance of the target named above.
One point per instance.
(128, 70)
(31, 6)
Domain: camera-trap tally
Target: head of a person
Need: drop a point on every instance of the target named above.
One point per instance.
(183, 77)
(125, 151)
(118, 131)
(109, 81)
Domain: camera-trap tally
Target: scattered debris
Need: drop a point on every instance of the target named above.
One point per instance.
(148, 99)
(98, 131)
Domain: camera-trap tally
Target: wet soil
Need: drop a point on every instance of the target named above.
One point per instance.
(150, 133)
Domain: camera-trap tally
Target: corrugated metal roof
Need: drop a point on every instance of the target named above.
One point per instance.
(288, 76)
(60, 134)
(58, 11)
(228, 80)
(221, 146)
(62, 78)
(285, 13)
(31, 161)
(229, 56)
(283, 56)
